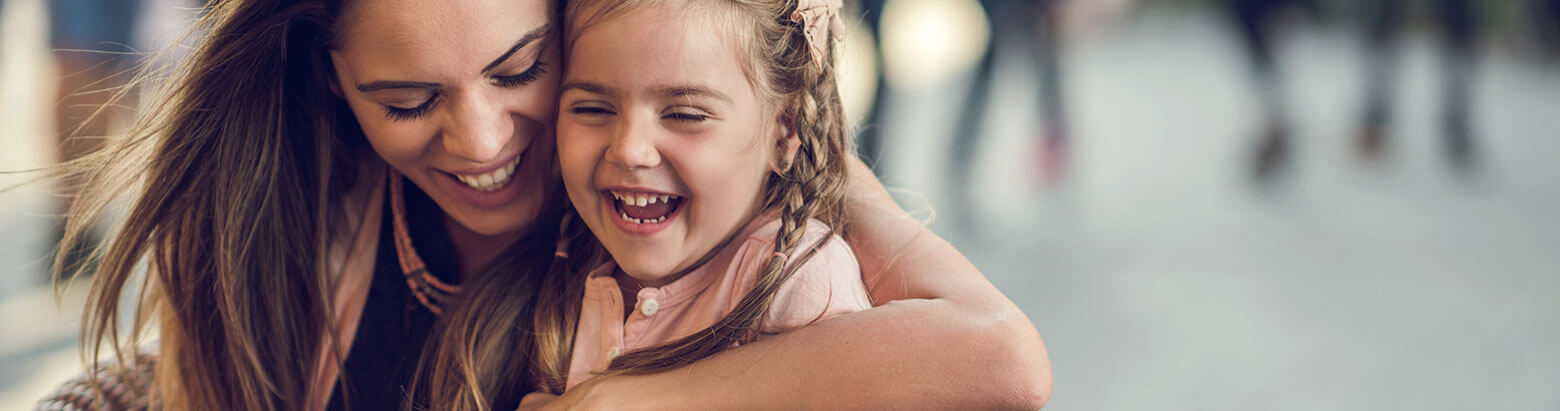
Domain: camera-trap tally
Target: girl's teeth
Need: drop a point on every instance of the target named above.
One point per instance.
(625, 217)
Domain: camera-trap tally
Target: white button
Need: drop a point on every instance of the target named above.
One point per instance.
(649, 307)
(613, 353)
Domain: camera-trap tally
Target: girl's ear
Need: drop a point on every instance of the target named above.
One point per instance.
(787, 141)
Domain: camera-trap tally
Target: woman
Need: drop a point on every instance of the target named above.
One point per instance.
(290, 266)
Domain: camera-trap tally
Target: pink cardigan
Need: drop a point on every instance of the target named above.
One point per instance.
(826, 285)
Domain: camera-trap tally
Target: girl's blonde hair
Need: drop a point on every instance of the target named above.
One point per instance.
(781, 69)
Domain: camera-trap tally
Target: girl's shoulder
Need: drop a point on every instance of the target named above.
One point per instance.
(826, 280)
(762, 231)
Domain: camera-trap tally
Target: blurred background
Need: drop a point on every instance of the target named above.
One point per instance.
(1201, 204)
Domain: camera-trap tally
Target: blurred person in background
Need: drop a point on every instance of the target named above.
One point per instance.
(1457, 21)
(90, 39)
(1259, 22)
(1033, 28)
(1546, 17)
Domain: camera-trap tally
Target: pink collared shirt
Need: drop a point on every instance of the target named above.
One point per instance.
(826, 285)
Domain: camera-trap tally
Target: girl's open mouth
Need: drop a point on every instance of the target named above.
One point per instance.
(644, 208)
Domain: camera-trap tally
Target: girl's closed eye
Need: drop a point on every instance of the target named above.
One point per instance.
(591, 111)
(687, 116)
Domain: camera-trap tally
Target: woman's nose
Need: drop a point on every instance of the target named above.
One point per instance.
(478, 129)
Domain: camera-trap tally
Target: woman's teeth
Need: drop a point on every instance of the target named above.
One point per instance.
(493, 180)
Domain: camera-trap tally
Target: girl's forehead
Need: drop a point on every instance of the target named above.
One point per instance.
(654, 46)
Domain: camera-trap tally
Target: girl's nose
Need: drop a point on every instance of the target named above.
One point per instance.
(633, 144)
(478, 128)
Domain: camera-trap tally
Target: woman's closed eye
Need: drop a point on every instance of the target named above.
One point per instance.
(525, 77)
(399, 113)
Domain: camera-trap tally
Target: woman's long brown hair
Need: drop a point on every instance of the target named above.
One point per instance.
(236, 173)
(232, 170)
(813, 187)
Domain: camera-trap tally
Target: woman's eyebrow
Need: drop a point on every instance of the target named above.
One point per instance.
(524, 40)
(387, 84)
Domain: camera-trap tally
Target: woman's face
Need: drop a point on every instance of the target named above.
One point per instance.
(460, 97)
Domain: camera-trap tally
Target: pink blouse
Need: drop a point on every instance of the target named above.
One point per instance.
(827, 285)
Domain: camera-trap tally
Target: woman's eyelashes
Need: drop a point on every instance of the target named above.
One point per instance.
(401, 114)
(511, 81)
(525, 77)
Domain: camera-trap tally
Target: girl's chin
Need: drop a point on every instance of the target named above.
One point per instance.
(647, 268)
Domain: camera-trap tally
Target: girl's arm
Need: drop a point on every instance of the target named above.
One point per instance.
(943, 337)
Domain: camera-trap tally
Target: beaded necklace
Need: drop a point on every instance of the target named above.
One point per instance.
(429, 291)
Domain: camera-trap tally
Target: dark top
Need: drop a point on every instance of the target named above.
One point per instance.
(394, 326)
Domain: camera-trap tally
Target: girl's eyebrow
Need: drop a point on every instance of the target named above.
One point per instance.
(588, 87)
(524, 40)
(690, 90)
(660, 91)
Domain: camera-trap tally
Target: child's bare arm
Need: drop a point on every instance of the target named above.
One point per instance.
(941, 337)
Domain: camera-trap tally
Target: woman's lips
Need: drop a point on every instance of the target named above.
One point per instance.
(494, 188)
(491, 180)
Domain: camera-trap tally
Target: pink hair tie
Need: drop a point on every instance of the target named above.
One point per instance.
(820, 20)
(783, 258)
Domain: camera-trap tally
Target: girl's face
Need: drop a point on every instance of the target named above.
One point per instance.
(459, 96)
(663, 143)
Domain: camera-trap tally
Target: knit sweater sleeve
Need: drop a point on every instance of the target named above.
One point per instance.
(108, 386)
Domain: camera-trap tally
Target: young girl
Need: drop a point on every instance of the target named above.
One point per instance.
(703, 145)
